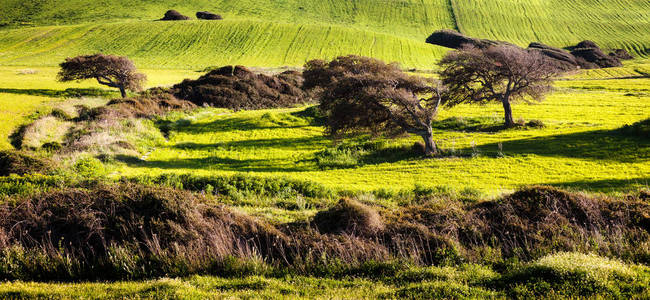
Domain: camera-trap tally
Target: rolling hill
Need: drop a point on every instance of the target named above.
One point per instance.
(276, 33)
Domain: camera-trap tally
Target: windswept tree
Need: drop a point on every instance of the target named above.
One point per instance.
(365, 95)
(499, 73)
(110, 70)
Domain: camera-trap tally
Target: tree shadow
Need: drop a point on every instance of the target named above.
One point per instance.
(476, 124)
(217, 163)
(609, 145)
(303, 143)
(67, 93)
(229, 125)
(604, 185)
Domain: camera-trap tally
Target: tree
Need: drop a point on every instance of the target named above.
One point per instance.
(365, 95)
(499, 73)
(113, 71)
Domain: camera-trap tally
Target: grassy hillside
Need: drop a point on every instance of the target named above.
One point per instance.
(275, 33)
(611, 23)
(196, 44)
(413, 18)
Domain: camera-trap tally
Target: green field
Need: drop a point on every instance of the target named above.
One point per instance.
(289, 33)
(578, 148)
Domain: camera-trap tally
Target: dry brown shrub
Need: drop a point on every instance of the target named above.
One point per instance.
(87, 222)
(351, 217)
(173, 15)
(587, 44)
(206, 15)
(236, 87)
(621, 54)
(597, 57)
(153, 102)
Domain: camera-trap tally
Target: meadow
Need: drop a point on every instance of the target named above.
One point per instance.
(578, 148)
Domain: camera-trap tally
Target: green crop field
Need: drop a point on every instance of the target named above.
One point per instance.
(584, 144)
(269, 33)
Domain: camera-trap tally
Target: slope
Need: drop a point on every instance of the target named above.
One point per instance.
(611, 23)
(412, 18)
(274, 33)
(195, 44)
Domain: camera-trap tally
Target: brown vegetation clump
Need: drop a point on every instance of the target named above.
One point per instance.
(206, 15)
(21, 163)
(535, 221)
(621, 54)
(586, 54)
(456, 40)
(154, 223)
(236, 87)
(562, 58)
(129, 230)
(173, 15)
(587, 44)
(595, 56)
(153, 102)
(349, 216)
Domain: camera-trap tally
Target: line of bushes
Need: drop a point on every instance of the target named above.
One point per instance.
(127, 231)
(230, 185)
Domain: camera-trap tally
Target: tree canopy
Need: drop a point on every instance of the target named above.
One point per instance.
(499, 73)
(365, 95)
(110, 70)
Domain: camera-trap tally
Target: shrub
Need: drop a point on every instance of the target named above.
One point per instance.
(228, 185)
(535, 124)
(21, 163)
(172, 15)
(576, 275)
(348, 154)
(206, 15)
(89, 167)
(61, 114)
(351, 217)
(236, 87)
(123, 231)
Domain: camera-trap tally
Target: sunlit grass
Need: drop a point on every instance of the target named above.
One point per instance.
(577, 148)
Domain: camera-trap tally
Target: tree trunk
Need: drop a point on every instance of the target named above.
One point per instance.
(510, 122)
(123, 91)
(430, 148)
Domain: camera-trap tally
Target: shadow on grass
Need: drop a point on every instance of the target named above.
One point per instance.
(216, 163)
(229, 125)
(304, 143)
(477, 124)
(67, 93)
(608, 145)
(605, 185)
(270, 120)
